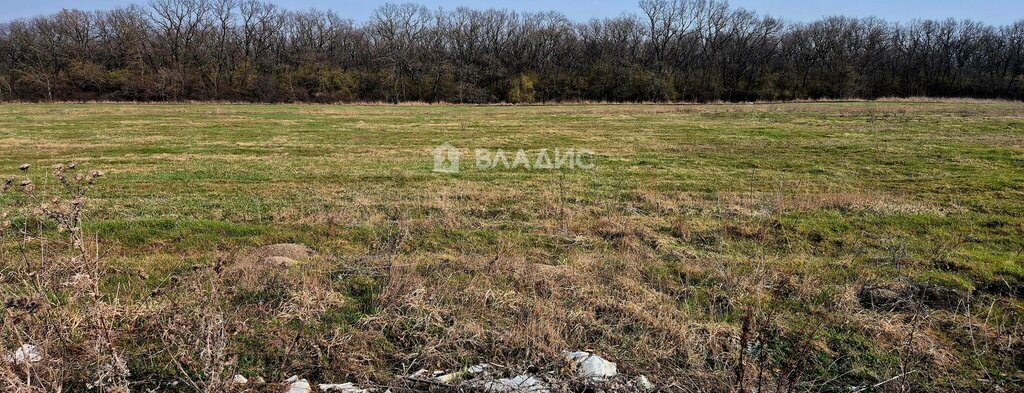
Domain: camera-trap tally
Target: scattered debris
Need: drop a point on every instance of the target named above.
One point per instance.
(239, 379)
(347, 387)
(463, 374)
(591, 366)
(589, 372)
(298, 385)
(517, 384)
(27, 353)
(424, 374)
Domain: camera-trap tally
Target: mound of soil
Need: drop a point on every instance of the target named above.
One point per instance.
(287, 253)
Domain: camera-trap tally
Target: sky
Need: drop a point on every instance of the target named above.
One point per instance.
(995, 12)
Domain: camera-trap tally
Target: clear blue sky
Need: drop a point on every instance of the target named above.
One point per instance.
(995, 12)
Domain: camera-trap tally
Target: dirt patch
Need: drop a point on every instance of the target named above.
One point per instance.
(882, 298)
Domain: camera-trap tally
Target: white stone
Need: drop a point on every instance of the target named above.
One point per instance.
(298, 385)
(27, 353)
(591, 366)
(644, 384)
(239, 379)
(347, 387)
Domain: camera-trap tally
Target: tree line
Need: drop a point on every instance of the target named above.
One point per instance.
(668, 50)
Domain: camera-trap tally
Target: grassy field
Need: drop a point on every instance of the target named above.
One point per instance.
(697, 220)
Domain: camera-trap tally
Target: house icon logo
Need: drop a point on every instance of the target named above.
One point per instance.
(446, 158)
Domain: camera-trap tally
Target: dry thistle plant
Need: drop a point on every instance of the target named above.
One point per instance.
(58, 330)
(197, 334)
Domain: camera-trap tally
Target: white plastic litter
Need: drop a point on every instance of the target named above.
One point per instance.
(591, 366)
(298, 385)
(347, 387)
(464, 373)
(519, 384)
(239, 379)
(27, 353)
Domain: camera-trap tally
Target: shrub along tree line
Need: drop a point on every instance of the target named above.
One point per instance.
(668, 50)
